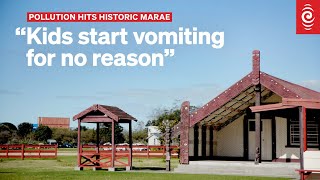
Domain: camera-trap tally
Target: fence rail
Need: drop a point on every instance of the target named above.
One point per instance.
(51, 151)
(28, 151)
(147, 151)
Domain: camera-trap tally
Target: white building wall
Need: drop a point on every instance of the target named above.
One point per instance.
(215, 142)
(153, 135)
(208, 141)
(154, 140)
(282, 151)
(230, 139)
(191, 141)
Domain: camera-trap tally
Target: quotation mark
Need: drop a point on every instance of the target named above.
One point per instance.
(21, 31)
(307, 17)
(169, 52)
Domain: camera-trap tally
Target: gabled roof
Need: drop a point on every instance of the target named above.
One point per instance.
(233, 101)
(98, 111)
(300, 91)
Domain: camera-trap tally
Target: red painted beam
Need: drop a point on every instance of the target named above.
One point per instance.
(96, 119)
(304, 118)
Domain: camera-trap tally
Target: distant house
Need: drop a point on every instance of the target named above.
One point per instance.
(153, 135)
(54, 122)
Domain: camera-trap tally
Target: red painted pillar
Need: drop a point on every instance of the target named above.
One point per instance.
(79, 142)
(98, 138)
(304, 118)
(130, 144)
(113, 146)
(302, 137)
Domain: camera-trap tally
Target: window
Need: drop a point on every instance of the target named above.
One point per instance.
(312, 132)
(252, 125)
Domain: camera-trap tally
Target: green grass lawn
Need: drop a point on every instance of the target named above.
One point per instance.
(63, 168)
(67, 149)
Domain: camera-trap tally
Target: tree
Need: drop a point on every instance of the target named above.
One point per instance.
(64, 135)
(84, 128)
(24, 129)
(139, 133)
(106, 131)
(5, 133)
(160, 115)
(11, 126)
(43, 133)
(173, 115)
(88, 136)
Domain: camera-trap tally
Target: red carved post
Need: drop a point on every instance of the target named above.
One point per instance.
(256, 67)
(257, 88)
(167, 141)
(184, 133)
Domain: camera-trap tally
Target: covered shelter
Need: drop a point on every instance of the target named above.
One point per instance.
(231, 126)
(309, 158)
(104, 156)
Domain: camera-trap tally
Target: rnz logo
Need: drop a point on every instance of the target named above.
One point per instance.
(307, 17)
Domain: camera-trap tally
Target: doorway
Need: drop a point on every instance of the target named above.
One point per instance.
(266, 139)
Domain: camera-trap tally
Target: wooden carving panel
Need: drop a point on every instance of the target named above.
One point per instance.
(184, 133)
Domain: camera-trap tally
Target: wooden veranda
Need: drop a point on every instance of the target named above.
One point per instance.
(102, 157)
(309, 159)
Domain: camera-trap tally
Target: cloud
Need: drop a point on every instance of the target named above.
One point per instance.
(312, 84)
(9, 92)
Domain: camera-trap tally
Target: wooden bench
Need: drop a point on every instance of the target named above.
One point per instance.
(305, 173)
(311, 161)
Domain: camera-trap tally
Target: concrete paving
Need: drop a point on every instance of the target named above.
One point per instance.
(242, 168)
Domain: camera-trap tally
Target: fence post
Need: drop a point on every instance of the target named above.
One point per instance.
(39, 151)
(56, 151)
(22, 152)
(130, 157)
(167, 148)
(7, 151)
(148, 151)
(164, 151)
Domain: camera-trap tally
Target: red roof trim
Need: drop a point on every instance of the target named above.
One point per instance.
(270, 107)
(113, 112)
(221, 99)
(281, 87)
(276, 86)
(307, 103)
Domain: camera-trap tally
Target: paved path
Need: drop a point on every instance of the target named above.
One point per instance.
(243, 168)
